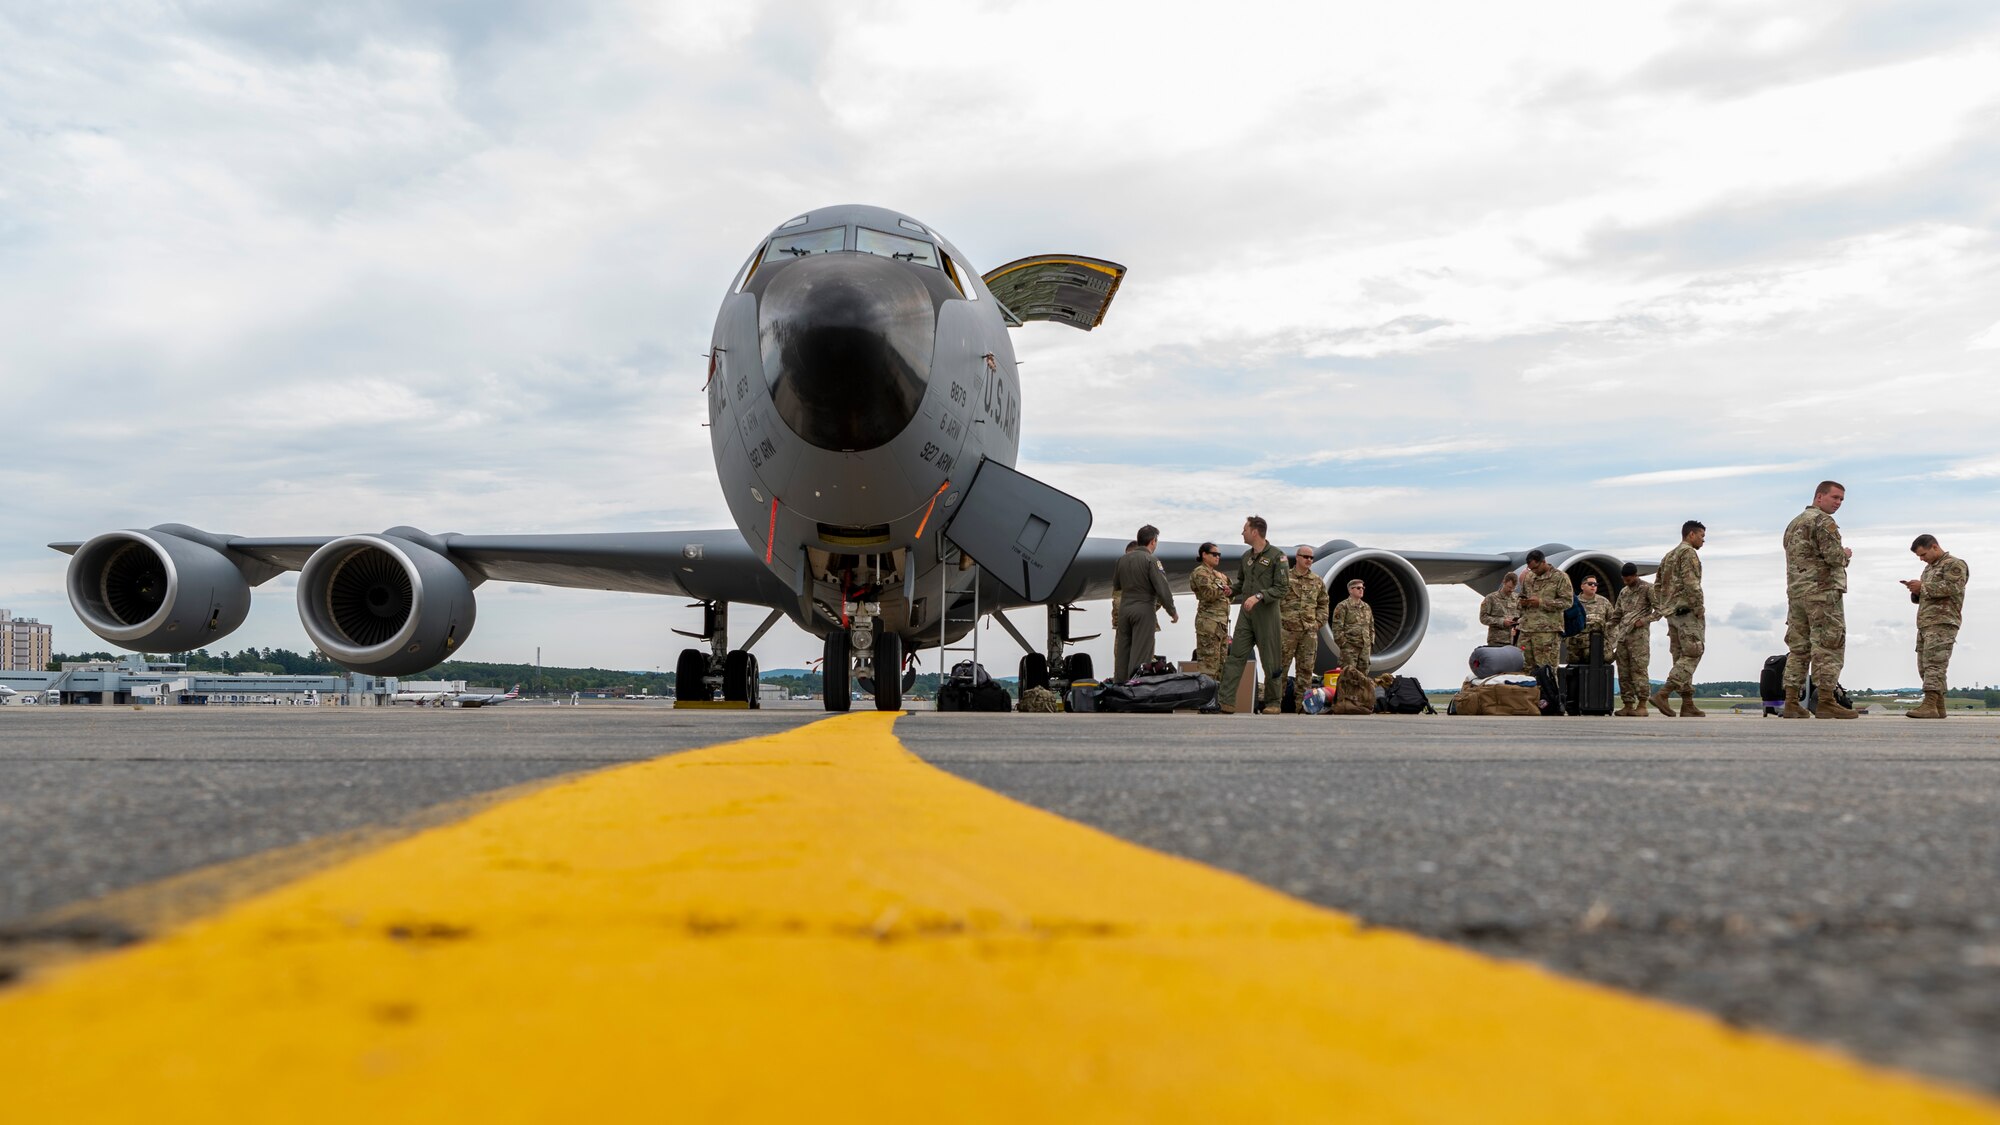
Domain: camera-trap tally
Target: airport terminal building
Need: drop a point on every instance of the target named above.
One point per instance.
(134, 680)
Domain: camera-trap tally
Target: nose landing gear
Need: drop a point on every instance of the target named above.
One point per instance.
(866, 654)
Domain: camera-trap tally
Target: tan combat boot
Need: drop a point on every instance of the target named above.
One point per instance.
(1626, 711)
(1792, 709)
(1639, 707)
(1661, 701)
(1933, 707)
(1830, 708)
(1688, 709)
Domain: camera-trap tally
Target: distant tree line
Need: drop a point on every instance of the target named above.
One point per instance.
(272, 661)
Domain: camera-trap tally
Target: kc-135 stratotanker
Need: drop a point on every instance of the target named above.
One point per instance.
(865, 410)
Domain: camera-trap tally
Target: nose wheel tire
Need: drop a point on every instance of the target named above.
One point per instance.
(834, 672)
(739, 678)
(888, 671)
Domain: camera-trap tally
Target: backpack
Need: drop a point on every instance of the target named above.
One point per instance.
(1353, 694)
(1574, 618)
(1406, 696)
(966, 672)
(1551, 687)
(1040, 700)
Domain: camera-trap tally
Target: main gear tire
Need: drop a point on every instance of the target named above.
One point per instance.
(1034, 671)
(691, 677)
(739, 678)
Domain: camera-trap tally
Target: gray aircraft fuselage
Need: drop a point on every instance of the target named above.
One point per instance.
(860, 373)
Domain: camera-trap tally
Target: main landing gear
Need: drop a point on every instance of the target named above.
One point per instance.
(1038, 670)
(698, 673)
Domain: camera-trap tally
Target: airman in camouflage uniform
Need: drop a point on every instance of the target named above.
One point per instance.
(1545, 593)
(1353, 627)
(1500, 611)
(1630, 641)
(1677, 593)
(1940, 598)
(1259, 587)
(1303, 612)
(1596, 621)
(1211, 617)
(1815, 618)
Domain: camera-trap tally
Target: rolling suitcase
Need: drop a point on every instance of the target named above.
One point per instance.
(1587, 689)
(1771, 685)
(1771, 681)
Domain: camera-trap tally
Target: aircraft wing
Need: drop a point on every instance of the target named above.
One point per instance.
(707, 565)
(1089, 577)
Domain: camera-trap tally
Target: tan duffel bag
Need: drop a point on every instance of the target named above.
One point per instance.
(1498, 699)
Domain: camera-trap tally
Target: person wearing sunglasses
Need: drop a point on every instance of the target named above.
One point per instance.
(1211, 615)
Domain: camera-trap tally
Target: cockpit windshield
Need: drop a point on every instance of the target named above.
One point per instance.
(895, 246)
(785, 247)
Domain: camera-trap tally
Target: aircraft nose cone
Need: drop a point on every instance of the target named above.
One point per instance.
(846, 341)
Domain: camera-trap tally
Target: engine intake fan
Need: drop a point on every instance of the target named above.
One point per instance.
(385, 605)
(168, 588)
(1396, 593)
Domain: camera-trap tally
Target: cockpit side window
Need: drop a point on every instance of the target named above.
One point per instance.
(749, 267)
(895, 246)
(785, 247)
(963, 280)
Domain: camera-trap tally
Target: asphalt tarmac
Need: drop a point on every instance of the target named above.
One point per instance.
(1831, 881)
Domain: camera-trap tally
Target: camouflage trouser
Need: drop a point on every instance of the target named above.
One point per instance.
(1211, 640)
(1261, 630)
(1815, 641)
(1687, 639)
(1934, 653)
(1300, 649)
(1542, 648)
(1355, 656)
(1634, 657)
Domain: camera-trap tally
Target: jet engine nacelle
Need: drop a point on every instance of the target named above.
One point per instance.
(1396, 593)
(1580, 565)
(385, 605)
(157, 589)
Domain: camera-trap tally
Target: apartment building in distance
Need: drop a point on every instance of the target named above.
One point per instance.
(25, 643)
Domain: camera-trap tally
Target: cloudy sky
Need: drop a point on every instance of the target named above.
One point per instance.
(1442, 275)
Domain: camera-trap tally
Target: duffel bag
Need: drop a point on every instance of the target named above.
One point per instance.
(1176, 691)
(1496, 660)
(1498, 699)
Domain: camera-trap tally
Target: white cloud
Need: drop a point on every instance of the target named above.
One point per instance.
(1706, 472)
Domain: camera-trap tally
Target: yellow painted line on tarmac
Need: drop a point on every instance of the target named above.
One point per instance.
(818, 926)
